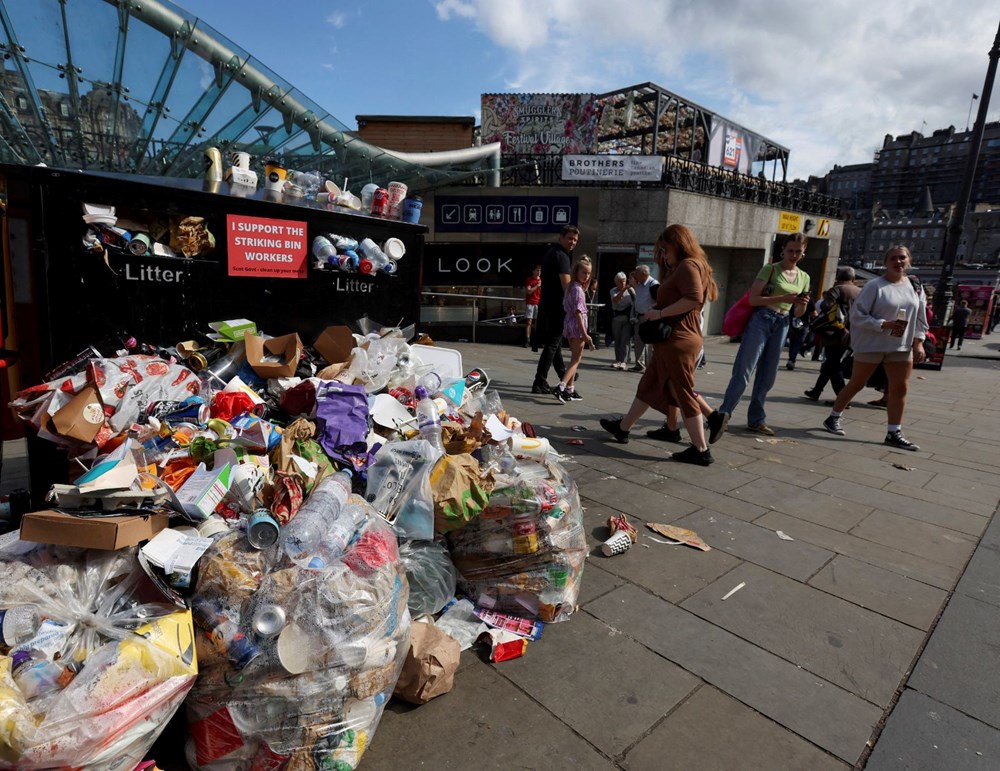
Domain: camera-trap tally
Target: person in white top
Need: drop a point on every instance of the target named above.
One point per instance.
(888, 327)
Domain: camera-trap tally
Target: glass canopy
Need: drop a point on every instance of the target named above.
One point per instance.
(145, 88)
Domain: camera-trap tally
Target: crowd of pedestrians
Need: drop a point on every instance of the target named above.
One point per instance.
(870, 336)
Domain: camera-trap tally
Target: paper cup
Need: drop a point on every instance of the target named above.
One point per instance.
(240, 159)
(527, 447)
(275, 175)
(397, 192)
(616, 544)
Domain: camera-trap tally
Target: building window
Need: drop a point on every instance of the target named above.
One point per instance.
(64, 109)
(22, 103)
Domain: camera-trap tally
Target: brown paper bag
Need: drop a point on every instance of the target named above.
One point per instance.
(458, 492)
(430, 664)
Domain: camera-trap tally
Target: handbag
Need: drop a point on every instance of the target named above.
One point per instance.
(656, 330)
(737, 317)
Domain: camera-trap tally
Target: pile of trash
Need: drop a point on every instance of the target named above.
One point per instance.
(90, 671)
(303, 503)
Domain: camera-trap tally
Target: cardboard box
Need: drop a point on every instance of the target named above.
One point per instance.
(91, 532)
(83, 417)
(335, 344)
(232, 330)
(202, 491)
(287, 347)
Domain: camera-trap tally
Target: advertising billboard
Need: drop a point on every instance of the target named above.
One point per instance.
(541, 124)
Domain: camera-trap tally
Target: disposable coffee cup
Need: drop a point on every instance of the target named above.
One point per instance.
(367, 192)
(616, 544)
(139, 245)
(397, 192)
(274, 176)
(532, 448)
(240, 159)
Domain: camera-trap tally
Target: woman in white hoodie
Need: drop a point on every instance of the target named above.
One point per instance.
(888, 327)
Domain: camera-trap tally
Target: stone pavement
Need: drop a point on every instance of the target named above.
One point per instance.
(869, 640)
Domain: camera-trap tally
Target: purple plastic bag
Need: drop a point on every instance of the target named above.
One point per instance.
(342, 423)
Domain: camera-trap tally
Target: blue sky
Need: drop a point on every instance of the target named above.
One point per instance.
(827, 80)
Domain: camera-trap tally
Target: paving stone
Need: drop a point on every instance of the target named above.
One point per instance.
(793, 500)
(907, 505)
(772, 467)
(626, 691)
(904, 599)
(709, 499)
(671, 572)
(978, 491)
(596, 582)
(796, 559)
(637, 501)
(948, 500)
(721, 734)
(937, 544)
(508, 729)
(958, 664)
(933, 573)
(922, 734)
(981, 579)
(859, 650)
(958, 472)
(819, 711)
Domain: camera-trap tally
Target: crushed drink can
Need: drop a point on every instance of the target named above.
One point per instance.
(224, 632)
(269, 620)
(193, 410)
(525, 536)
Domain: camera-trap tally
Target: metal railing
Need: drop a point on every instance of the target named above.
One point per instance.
(678, 174)
(475, 321)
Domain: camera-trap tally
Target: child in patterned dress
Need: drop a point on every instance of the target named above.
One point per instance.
(575, 327)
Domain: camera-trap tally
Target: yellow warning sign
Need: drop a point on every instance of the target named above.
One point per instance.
(823, 231)
(788, 222)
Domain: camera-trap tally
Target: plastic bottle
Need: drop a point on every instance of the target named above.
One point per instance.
(35, 677)
(301, 537)
(428, 419)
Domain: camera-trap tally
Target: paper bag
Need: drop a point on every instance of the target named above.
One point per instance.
(459, 496)
(430, 665)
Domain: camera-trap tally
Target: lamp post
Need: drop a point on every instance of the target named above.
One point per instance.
(953, 235)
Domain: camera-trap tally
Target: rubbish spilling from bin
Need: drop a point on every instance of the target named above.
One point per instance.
(302, 502)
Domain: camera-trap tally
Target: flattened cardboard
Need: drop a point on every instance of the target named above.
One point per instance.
(288, 347)
(83, 417)
(107, 533)
(335, 344)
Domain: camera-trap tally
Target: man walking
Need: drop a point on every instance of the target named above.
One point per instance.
(959, 323)
(645, 299)
(836, 341)
(556, 266)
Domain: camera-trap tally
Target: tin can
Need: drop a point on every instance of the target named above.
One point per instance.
(200, 360)
(193, 410)
(262, 529)
(74, 365)
(380, 203)
(269, 620)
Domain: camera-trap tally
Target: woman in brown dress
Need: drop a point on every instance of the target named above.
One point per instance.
(686, 283)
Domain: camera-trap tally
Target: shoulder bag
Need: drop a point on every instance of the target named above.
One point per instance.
(656, 330)
(737, 317)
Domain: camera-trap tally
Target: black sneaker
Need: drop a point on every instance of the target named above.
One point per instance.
(716, 423)
(695, 456)
(541, 388)
(811, 396)
(664, 434)
(614, 427)
(574, 396)
(896, 439)
(561, 394)
(832, 424)
(790, 365)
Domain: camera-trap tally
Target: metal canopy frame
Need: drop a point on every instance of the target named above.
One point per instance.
(647, 119)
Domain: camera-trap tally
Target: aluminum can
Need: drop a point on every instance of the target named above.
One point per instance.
(262, 529)
(380, 203)
(269, 620)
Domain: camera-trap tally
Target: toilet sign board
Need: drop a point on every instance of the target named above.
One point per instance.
(504, 214)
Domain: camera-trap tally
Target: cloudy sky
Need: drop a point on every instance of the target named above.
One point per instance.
(826, 79)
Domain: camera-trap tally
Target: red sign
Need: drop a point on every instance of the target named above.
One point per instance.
(266, 248)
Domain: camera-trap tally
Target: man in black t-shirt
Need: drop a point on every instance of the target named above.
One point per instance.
(556, 266)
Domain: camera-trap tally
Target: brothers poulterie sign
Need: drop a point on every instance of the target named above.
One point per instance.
(266, 248)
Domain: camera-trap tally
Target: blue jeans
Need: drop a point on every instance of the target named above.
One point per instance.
(760, 350)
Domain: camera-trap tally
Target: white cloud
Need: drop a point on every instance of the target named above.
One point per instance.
(337, 19)
(827, 80)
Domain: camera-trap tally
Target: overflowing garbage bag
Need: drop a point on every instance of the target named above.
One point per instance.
(90, 671)
(430, 574)
(525, 553)
(300, 643)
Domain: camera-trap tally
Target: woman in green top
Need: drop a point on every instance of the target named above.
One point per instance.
(779, 289)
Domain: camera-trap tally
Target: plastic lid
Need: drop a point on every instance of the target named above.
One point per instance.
(420, 392)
